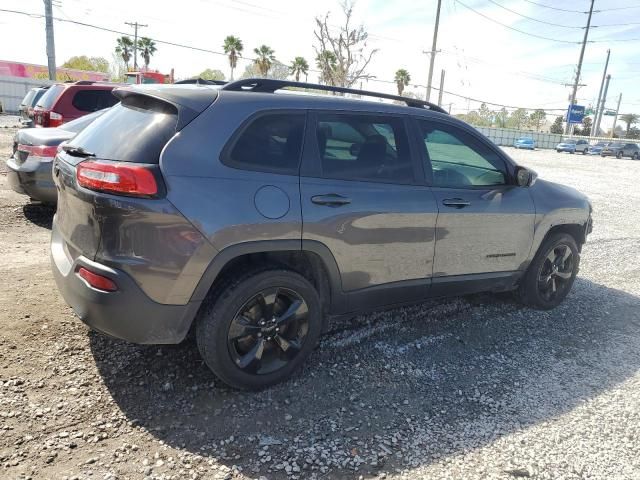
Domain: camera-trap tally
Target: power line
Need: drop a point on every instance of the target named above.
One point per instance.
(534, 19)
(617, 8)
(553, 8)
(513, 28)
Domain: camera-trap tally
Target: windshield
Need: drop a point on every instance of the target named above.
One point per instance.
(79, 123)
(49, 98)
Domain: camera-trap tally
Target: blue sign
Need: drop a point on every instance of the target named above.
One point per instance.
(575, 113)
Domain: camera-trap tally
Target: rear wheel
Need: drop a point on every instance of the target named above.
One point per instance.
(260, 329)
(619, 154)
(584, 151)
(635, 156)
(551, 274)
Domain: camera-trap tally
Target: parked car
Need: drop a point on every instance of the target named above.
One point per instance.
(573, 145)
(29, 168)
(293, 209)
(620, 150)
(597, 148)
(525, 142)
(64, 102)
(29, 101)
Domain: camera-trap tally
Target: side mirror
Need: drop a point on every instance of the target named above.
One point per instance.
(525, 177)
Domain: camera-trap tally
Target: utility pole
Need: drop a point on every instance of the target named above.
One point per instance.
(135, 26)
(441, 88)
(432, 58)
(615, 119)
(584, 44)
(51, 48)
(604, 96)
(598, 115)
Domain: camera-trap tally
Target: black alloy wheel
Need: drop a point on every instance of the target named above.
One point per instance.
(268, 331)
(556, 272)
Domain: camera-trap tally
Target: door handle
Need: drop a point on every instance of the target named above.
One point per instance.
(455, 203)
(330, 200)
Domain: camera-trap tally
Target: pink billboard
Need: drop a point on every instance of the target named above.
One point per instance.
(29, 70)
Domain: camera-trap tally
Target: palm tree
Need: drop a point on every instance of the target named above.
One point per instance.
(124, 45)
(629, 119)
(402, 80)
(233, 48)
(148, 48)
(327, 62)
(299, 66)
(265, 58)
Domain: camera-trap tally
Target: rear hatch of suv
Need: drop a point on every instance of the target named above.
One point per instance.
(112, 206)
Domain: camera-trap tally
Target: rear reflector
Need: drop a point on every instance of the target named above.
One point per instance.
(116, 177)
(97, 281)
(39, 150)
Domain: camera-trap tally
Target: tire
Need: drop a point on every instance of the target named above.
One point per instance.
(259, 357)
(558, 151)
(619, 155)
(537, 286)
(584, 152)
(572, 152)
(635, 156)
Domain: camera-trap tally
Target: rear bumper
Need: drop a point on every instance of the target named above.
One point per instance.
(128, 313)
(565, 149)
(32, 178)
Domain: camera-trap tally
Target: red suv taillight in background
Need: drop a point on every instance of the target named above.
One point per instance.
(55, 119)
(47, 118)
(117, 177)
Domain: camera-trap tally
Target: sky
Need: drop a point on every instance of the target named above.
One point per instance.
(483, 59)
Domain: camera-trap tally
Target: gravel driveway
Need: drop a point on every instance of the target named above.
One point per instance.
(466, 388)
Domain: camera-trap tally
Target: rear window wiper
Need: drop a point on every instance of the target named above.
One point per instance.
(77, 151)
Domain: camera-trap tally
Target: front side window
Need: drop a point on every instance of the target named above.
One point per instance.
(270, 143)
(460, 160)
(364, 147)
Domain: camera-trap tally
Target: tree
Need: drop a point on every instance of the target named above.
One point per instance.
(348, 46)
(485, 115)
(265, 56)
(402, 79)
(94, 64)
(518, 119)
(327, 63)
(629, 119)
(299, 66)
(556, 127)
(147, 47)
(586, 126)
(501, 117)
(233, 48)
(210, 74)
(537, 118)
(124, 46)
(278, 71)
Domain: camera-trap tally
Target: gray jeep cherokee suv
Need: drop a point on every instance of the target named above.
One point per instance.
(254, 215)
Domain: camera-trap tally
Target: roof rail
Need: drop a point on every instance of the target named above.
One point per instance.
(200, 81)
(85, 82)
(270, 85)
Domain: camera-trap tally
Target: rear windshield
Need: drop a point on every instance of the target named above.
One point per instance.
(49, 98)
(79, 123)
(133, 132)
(28, 97)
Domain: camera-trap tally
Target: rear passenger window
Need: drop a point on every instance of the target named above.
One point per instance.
(364, 147)
(93, 100)
(270, 143)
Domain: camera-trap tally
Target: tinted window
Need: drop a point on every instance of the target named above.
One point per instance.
(79, 123)
(133, 132)
(270, 143)
(50, 96)
(28, 98)
(364, 147)
(93, 100)
(459, 159)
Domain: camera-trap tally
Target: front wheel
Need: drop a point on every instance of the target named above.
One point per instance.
(260, 329)
(635, 156)
(552, 272)
(619, 155)
(584, 152)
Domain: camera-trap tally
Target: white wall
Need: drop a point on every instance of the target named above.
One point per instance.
(13, 90)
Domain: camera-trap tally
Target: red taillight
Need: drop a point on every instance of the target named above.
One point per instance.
(39, 150)
(97, 281)
(116, 177)
(55, 119)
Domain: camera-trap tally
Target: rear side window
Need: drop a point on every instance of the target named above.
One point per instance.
(270, 143)
(136, 130)
(93, 100)
(364, 147)
(51, 95)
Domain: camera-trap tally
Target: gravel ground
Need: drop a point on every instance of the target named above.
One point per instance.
(467, 388)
